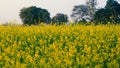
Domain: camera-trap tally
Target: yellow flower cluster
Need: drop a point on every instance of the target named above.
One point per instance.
(65, 46)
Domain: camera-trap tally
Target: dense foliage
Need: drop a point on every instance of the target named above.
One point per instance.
(34, 15)
(111, 13)
(59, 18)
(90, 13)
(62, 46)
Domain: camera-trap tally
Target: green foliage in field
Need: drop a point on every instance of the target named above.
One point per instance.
(62, 46)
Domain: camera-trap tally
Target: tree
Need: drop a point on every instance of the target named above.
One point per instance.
(109, 2)
(102, 16)
(91, 6)
(114, 8)
(80, 13)
(34, 15)
(111, 13)
(59, 18)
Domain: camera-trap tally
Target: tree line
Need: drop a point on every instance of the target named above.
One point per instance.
(80, 14)
(34, 15)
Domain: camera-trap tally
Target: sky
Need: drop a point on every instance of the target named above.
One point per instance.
(9, 9)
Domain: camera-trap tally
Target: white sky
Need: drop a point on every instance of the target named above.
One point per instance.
(9, 9)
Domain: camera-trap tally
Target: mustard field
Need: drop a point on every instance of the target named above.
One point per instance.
(50, 46)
